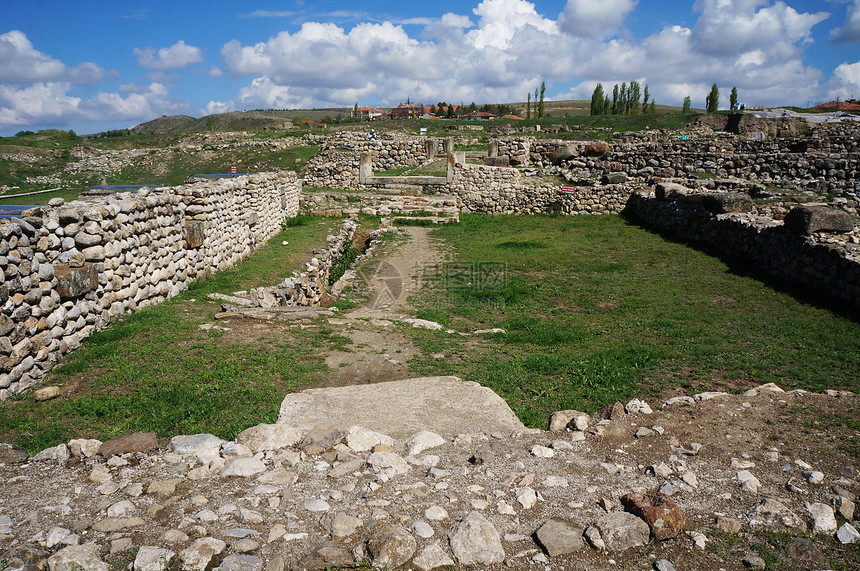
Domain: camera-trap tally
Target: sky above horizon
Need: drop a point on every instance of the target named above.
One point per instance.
(93, 66)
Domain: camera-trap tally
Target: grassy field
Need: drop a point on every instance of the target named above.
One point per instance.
(174, 166)
(162, 164)
(156, 370)
(597, 309)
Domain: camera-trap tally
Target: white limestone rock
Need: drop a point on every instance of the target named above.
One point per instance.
(621, 531)
(265, 437)
(424, 440)
(58, 453)
(387, 465)
(153, 558)
(198, 556)
(637, 406)
(475, 541)
(243, 468)
(847, 534)
(433, 556)
(201, 446)
(823, 519)
(360, 439)
(84, 447)
(77, 557)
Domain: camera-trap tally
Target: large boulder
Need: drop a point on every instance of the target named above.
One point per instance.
(723, 202)
(597, 149)
(805, 219)
(447, 406)
(670, 190)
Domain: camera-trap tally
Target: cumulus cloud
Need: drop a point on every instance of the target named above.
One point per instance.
(739, 43)
(732, 26)
(500, 20)
(215, 107)
(21, 63)
(590, 19)
(50, 103)
(501, 57)
(849, 32)
(177, 56)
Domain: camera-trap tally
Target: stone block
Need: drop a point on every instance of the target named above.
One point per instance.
(723, 202)
(614, 178)
(496, 161)
(75, 282)
(665, 190)
(194, 235)
(808, 219)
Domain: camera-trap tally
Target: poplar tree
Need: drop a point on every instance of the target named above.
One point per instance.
(733, 98)
(615, 100)
(635, 94)
(622, 99)
(687, 105)
(529, 106)
(645, 97)
(712, 101)
(597, 100)
(540, 104)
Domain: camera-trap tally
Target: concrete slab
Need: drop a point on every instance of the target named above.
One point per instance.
(447, 406)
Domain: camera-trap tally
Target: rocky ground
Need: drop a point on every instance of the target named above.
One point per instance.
(750, 489)
(435, 473)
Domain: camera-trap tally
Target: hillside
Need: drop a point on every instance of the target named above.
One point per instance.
(257, 119)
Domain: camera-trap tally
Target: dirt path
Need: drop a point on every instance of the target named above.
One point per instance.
(378, 351)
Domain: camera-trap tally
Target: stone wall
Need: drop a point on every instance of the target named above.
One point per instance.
(828, 160)
(69, 269)
(827, 265)
(500, 190)
(337, 164)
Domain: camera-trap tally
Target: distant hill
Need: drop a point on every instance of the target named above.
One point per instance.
(276, 118)
(236, 120)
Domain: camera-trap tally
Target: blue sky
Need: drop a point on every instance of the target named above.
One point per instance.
(93, 66)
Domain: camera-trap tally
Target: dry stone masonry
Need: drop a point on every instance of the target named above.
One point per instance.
(815, 245)
(69, 269)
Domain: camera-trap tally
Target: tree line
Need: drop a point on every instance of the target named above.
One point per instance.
(625, 100)
(539, 110)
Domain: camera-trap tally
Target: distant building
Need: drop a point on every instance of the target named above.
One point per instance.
(363, 114)
(405, 111)
(480, 116)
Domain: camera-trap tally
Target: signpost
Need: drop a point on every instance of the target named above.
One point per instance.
(233, 169)
(565, 189)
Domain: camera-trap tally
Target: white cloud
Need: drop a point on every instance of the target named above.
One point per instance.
(46, 103)
(215, 71)
(850, 30)
(215, 107)
(732, 26)
(21, 63)
(592, 19)
(456, 20)
(500, 20)
(739, 43)
(849, 73)
(175, 57)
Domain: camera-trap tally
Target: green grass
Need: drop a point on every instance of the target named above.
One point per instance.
(597, 309)
(174, 166)
(155, 370)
